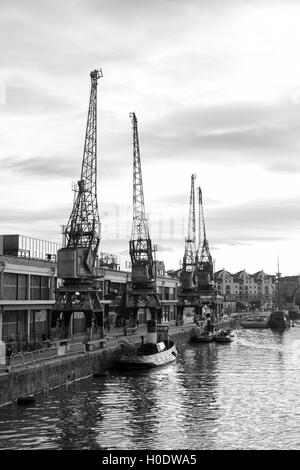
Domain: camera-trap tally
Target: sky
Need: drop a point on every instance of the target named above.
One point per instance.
(215, 86)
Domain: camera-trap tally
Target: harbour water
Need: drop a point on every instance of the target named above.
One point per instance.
(243, 395)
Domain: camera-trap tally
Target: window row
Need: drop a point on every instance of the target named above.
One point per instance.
(15, 287)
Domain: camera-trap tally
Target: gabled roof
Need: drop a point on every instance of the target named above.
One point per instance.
(222, 271)
(241, 273)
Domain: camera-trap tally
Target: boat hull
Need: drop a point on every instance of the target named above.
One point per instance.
(279, 320)
(28, 400)
(199, 335)
(226, 339)
(149, 360)
(256, 321)
(251, 324)
(279, 325)
(224, 336)
(202, 339)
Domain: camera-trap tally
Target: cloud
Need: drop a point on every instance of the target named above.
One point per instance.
(51, 214)
(33, 97)
(243, 132)
(255, 221)
(183, 199)
(50, 167)
(215, 86)
(58, 166)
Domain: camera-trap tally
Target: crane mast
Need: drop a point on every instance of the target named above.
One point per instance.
(204, 269)
(188, 265)
(143, 271)
(140, 248)
(204, 262)
(187, 293)
(83, 228)
(76, 262)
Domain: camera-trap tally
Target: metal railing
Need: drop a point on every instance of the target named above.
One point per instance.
(23, 344)
(24, 359)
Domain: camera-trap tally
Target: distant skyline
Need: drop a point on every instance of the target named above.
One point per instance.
(215, 86)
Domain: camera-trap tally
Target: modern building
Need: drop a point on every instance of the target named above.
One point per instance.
(28, 277)
(114, 282)
(27, 247)
(27, 282)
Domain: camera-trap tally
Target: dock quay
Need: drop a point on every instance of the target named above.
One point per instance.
(44, 371)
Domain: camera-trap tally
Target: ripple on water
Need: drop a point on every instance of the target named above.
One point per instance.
(243, 395)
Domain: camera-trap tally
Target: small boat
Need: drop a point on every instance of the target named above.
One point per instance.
(256, 321)
(224, 336)
(201, 336)
(101, 374)
(279, 319)
(28, 400)
(150, 353)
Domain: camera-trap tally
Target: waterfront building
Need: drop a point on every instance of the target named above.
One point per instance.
(115, 281)
(27, 282)
(28, 277)
(257, 290)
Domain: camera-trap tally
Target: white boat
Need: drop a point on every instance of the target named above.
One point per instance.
(224, 336)
(256, 321)
(149, 355)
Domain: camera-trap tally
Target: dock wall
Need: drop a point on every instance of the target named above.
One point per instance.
(45, 375)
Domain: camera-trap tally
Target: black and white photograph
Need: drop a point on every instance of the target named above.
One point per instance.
(149, 228)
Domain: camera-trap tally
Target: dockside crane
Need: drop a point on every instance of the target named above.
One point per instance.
(76, 261)
(204, 261)
(204, 266)
(187, 295)
(143, 293)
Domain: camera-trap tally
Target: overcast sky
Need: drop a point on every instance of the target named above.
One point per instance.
(215, 86)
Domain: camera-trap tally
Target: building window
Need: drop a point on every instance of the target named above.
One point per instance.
(44, 288)
(10, 286)
(15, 286)
(14, 324)
(35, 288)
(22, 287)
(38, 323)
(39, 288)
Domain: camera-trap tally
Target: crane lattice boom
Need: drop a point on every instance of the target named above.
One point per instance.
(190, 241)
(203, 253)
(83, 228)
(76, 261)
(140, 243)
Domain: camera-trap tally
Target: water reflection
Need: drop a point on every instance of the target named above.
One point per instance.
(198, 377)
(243, 395)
